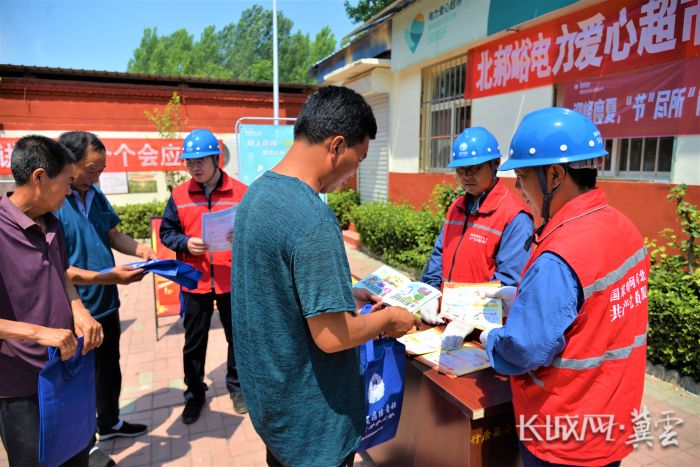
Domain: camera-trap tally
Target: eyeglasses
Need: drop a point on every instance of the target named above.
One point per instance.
(195, 162)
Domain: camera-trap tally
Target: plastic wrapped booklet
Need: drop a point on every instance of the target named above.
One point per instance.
(397, 289)
(469, 304)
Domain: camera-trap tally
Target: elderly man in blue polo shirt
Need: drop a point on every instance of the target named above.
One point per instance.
(89, 246)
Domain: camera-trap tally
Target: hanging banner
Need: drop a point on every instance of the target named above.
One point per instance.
(261, 147)
(124, 154)
(655, 101)
(613, 36)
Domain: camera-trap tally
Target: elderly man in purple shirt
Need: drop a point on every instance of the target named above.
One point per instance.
(38, 305)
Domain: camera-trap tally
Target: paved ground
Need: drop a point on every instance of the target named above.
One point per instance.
(152, 394)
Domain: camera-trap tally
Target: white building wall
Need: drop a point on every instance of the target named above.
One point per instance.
(404, 131)
(502, 113)
(686, 160)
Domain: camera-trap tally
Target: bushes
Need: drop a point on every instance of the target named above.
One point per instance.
(342, 203)
(136, 218)
(674, 294)
(443, 196)
(402, 236)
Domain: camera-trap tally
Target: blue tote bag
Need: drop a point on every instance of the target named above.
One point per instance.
(66, 406)
(383, 368)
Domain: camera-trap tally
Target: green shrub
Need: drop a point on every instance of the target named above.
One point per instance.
(136, 218)
(402, 236)
(674, 293)
(342, 203)
(443, 196)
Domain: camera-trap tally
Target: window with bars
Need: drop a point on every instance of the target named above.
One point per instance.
(639, 158)
(444, 112)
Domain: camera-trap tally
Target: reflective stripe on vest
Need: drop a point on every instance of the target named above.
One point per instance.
(214, 203)
(594, 362)
(614, 276)
(476, 226)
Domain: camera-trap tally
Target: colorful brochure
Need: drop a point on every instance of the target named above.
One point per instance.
(398, 290)
(468, 303)
(469, 358)
(422, 342)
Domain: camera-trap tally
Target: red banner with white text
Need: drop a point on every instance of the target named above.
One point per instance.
(123, 154)
(663, 100)
(611, 37)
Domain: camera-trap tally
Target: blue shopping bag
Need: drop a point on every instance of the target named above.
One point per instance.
(181, 273)
(66, 405)
(383, 368)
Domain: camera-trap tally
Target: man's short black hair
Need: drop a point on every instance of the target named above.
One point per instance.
(332, 111)
(583, 178)
(38, 152)
(80, 141)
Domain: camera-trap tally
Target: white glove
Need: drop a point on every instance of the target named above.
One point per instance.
(430, 313)
(507, 296)
(454, 335)
(484, 337)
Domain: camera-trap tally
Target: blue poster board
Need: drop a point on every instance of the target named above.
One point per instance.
(261, 147)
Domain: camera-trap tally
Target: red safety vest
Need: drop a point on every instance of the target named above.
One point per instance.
(191, 203)
(470, 241)
(598, 379)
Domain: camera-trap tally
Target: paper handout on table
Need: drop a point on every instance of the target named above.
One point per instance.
(469, 358)
(216, 227)
(398, 290)
(468, 303)
(422, 342)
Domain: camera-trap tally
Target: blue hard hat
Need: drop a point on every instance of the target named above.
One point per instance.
(553, 136)
(474, 146)
(200, 143)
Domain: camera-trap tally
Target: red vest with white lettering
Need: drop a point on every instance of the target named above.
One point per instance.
(191, 203)
(470, 242)
(601, 369)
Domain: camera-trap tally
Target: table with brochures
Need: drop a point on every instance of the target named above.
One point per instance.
(465, 421)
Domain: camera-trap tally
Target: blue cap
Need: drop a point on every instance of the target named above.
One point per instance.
(553, 136)
(474, 146)
(200, 143)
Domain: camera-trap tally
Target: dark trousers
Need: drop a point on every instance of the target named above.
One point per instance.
(108, 374)
(273, 462)
(19, 431)
(198, 312)
(529, 460)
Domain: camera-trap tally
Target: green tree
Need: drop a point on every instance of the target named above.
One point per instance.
(240, 50)
(365, 9)
(168, 122)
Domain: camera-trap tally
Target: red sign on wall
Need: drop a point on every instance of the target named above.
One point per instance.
(657, 101)
(614, 36)
(123, 154)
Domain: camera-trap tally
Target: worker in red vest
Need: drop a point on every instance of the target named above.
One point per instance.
(574, 342)
(485, 231)
(209, 190)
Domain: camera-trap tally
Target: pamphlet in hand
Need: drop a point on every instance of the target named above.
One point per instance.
(422, 342)
(468, 303)
(469, 358)
(216, 227)
(398, 290)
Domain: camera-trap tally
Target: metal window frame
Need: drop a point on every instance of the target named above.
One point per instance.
(623, 173)
(442, 75)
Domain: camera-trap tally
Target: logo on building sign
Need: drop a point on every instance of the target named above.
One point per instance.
(414, 32)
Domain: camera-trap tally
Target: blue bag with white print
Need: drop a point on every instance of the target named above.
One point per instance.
(66, 405)
(383, 368)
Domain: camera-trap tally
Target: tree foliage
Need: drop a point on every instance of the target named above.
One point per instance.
(365, 9)
(241, 50)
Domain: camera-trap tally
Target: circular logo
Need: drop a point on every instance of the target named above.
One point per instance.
(375, 391)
